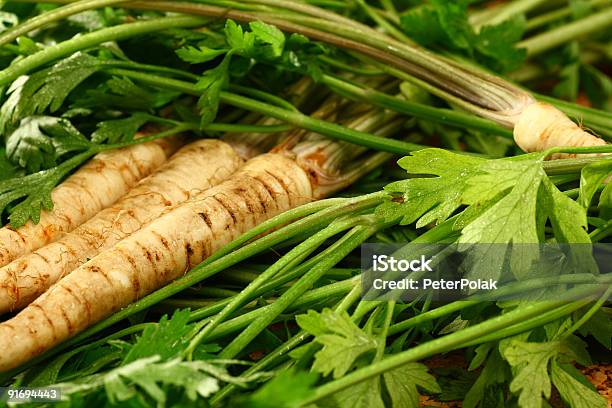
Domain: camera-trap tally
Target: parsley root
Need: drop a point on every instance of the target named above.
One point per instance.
(95, 186)
(542, 126)
(155, 255)
(194, 168)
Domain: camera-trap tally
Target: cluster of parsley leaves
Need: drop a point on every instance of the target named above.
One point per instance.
(441, 24)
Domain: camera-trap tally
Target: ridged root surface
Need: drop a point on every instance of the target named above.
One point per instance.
(542, 126)
(162, 251)
(192, 170)
(95, 186)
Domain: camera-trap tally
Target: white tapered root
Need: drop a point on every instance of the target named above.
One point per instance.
(541, 126)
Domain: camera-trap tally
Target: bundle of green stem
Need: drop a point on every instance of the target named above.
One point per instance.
(537, 126)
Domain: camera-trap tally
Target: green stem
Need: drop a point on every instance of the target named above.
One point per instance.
(354, 238)
(587, 316)
(439, 115)
(292, 258)
(496, 15)
(57, 14)
(558, 14)
(282, 279)
(298, 119)
(571, 31)
(285, 348)
(529, 324)
(382, 338)
(66, 48)
(569, 166)
(383, 23)
(439, 345)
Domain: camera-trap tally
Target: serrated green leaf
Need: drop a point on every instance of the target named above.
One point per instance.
(342, 340)
(568, 218)
(150, 377)
(574, 393)
(269, 35)
(119, 130)
(122, 93)
(7, 168)
(240, 41)
(40, 140)
(402, 384)
(480, 355)
(211, 84)
(600, 327)
(511, 220)
(312, 323)
(496, 43)
(592, 177)
(445, 24)
(165, 339)
(530, 365)
(430, 199)
(46, 89)
(199, 55)
(422, 25)
(286, 390)
(365, 394)
(493, 373)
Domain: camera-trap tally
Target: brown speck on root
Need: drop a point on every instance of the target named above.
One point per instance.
(180, 238)
(95, 186)
(205, 218)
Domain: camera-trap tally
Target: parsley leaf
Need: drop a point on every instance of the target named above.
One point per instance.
(119, 130)
(263, 43)
(494, 373)
(430, 199)
(286, 390)
(600, 327)
(123, 93)
(495, 45)
(165, 339)
(7, 168)
(573, 392)
(503, 197)
(402, 384)
(501, 201)
(591, 178)
(34, 191)
(211, 84)
(530, 362)
(342, 340)
(40, 140)
(272, 37)
(445, 24)
(365, 394)
(46, 89)
(150, 377)
(199, 55)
